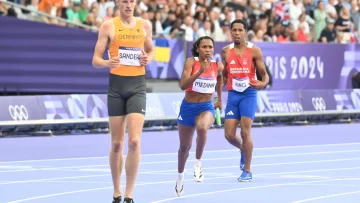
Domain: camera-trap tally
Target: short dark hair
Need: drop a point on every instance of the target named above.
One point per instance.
(243, 22)
(197, 44)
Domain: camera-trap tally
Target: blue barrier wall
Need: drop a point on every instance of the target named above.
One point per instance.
(160, 105)
(37, 57)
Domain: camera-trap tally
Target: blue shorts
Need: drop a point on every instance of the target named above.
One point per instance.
(241, 104)
(189, 111)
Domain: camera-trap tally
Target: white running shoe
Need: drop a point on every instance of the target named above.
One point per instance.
(199, 177)
(179, 187)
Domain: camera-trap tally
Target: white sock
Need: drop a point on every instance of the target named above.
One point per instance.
(180, 176)
(198, 162)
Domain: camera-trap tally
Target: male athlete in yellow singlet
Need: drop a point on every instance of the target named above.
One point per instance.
(130, 45)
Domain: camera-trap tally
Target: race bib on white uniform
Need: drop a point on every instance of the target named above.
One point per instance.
(206, 86)
(240, 84)
(129, 56)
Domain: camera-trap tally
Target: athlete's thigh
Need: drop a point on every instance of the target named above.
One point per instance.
(117, 128)
(116, 112)
(205, 119)
(232, 110)
(135, 123)
(230, 126)
(115, 103)
(232, 114)
(247, 106)
(246, 123)
(186, 134)
(135, 109)
(187, 114)
(136, 103)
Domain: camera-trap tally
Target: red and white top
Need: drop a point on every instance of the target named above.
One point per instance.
(206, 82)
(240, 69)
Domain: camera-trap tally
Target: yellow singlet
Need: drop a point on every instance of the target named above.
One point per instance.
(127, 45)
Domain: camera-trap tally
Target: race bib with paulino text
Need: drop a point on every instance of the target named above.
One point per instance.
(129, 56)
(203, 85)
(240, 84)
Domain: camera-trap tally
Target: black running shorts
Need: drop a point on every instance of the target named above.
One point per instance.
(126, 94)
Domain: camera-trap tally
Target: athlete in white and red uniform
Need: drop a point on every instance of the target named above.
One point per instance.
(201, 77)
(241, 60)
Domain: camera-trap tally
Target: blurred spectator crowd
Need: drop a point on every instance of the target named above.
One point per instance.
(326, 21)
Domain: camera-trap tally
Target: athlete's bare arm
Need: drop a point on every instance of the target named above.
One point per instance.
(148, 46)
(186, 80)
(101, 45)
(260, 66)
(219, 83)
(224, 54)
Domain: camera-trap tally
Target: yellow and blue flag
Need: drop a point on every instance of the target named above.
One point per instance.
(162, 50)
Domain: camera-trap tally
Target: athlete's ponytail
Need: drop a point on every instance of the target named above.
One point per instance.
(197, 44)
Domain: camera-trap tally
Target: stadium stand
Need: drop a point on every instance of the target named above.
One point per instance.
(269, 21)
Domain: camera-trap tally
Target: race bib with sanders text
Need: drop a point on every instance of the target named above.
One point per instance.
(129, 56)
(240, 84)
(206, 86)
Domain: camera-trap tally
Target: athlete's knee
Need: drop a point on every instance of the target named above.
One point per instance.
(134, 144)
(203, 124)
(117, 146)
(184, 148)
(202, 128)
(245, 131)
(230, 136)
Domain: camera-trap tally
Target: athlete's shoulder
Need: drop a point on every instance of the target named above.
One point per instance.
(106, 25)
(191, 59)
(147, 26)
(227, 47)
(146, 23)
(254, 49)
(106, 28)
(251, 45)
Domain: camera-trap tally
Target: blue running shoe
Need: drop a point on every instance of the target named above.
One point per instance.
(245, 176)
(242, 161)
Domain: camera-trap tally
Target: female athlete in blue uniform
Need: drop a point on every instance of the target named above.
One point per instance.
(201, 77)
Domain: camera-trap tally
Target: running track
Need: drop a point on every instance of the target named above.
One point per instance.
(291, 164)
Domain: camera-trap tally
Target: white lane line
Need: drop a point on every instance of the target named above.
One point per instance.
(163, 154)
(329, 196)
(153, 172)
(172, 181)
(248, 188)
(175, 161)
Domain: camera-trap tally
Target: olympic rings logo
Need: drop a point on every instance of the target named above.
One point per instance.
(318, 103)
(18, 112)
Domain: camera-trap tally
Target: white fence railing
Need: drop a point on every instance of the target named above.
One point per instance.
(35, 15)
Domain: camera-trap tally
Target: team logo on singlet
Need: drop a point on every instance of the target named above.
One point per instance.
(204, 85)
(245, 60)
(129, 56)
